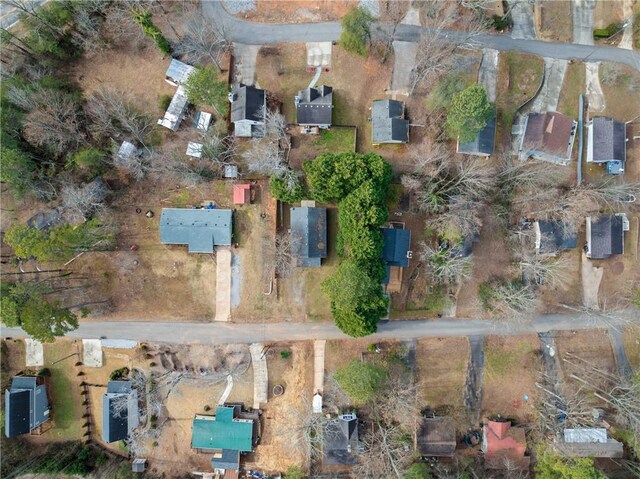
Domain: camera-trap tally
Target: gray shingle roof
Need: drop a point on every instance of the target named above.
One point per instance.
(315, 106)
(309, 235)
(607, 236)
(609, 140)
(117, 425)
(437, 437)
(340, 441)
(483, 143)
(26, 406)
(387, 122)
(248, 104)
(555, 236)
(201, 229)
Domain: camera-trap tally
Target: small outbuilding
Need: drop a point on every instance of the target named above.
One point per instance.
(201, 229)
(605, 235)
(26, 405)
(314, 107)
(178, 72)
(119, 411)
(248, 107)
(241, 194)
(176, 111)
(202, 120)
(139, 465)
(588, 442)
(388, 124)
(309, 235)
(127, 150)
(194, 150)
(436, 437)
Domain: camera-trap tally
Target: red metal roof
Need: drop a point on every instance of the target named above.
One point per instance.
(500, 436)
(241, 194)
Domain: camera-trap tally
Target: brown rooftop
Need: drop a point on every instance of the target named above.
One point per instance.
(548, 132)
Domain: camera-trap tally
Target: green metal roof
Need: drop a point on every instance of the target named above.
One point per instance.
(222, 431)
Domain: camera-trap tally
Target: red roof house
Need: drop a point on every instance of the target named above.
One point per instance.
(502, 444)
(241, 194)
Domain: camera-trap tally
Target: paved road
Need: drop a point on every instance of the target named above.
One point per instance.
(230, 333)
(9, 15)
(251, 33)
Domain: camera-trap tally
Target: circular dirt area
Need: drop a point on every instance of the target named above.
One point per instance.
(617, 267)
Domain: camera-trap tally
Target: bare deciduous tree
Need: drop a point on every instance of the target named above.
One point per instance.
(444, 264)
(279, 254)
(83, 202)
(388, 452)
(56, 121)
(203, 40)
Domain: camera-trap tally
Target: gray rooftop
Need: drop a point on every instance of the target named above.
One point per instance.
(226, 459)
(484, 142)
(248, 104)
(607, 236)
(437, 437)
(200, 229)
(26, 406)
(119, 421)
(608, 140)
(555, 236)
(315, 106)
(340, 441)
(173, 116)
(309, 235)
(387, 122)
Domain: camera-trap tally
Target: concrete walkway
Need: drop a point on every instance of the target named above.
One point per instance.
(250, 33)
(223, 283)
(549, 96)
(227, 391)
(318, 366)
(488, 71)
(260, 375)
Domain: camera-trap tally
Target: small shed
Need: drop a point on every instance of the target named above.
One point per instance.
(178, 72)
(230, 171)
(176, 111)
(127, 150)
(437, 437)
(139, 465)
(241, 194)
(194, 149)
(202, 120)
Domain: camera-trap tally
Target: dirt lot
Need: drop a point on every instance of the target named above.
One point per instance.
(607, 12)
(592, 346)
(554, 21)
(512, 366)
(297, 11)
(441, 371)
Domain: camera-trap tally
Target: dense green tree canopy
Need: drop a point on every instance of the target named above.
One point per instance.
(331, 177)
(361, 381)
(356, 31)
(418, 470)
(204, 88)
(284, 190)
(554, 466)
(468, 114)
(17, 170)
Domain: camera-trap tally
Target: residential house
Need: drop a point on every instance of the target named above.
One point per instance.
(201, 229)
(605, 235)
(396, 253)
(26, 405)
(388, 124)
(548, 136)
(314, 107)
(241, 194)
(503, 444)
(341, 441)
(178, 72)
(436, 437)
(588, 442)
(248, 107)
(607, 144)
(309, 234)
(484, 142)
(119, 411)
(228, 434)
(554, 236)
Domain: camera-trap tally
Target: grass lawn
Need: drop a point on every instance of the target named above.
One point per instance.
(442, 368)
(66, 400)
(519, 77)
(336, 140)
(621, 88)
(573, 86)
(632, 346)
(556, 21)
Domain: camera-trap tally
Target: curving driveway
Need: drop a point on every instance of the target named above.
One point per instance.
(250, 33)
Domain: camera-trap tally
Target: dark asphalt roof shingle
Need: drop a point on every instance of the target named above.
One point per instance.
(387, 122)
(340, 441)
(248, 105)
(483, 143)
(315, 106)
(609, 140)
(397, 243)
(607, 236)
(549, 133)
(556, 236)
(309, 235)
(26, 405)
